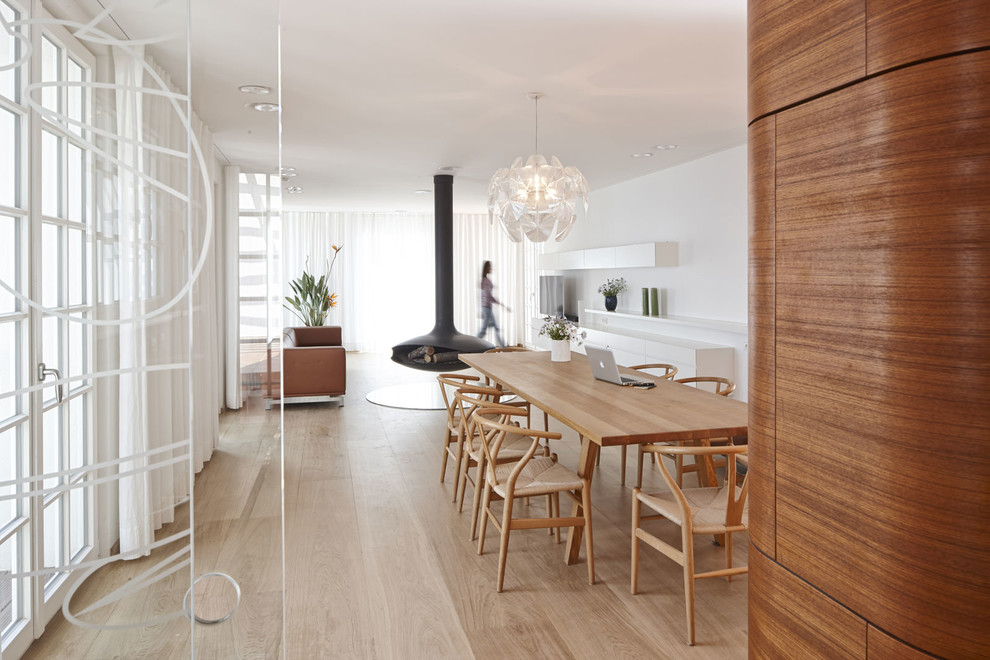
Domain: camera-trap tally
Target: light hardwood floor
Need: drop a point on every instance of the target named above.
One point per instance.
(379, 563)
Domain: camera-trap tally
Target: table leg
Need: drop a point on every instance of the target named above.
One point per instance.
(586, 469)
(707, 470)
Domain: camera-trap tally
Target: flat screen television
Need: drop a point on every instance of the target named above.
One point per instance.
(552, 295)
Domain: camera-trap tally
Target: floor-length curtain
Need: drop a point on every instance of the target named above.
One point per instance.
(162, 224)
(384, 276)
(477, 240)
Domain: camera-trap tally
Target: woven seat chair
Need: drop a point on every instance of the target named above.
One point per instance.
(714, 510)
(528, 477)
(448, 385)
(468, 400)
(718, 385)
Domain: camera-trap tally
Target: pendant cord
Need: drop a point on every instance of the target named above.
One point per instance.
(536, 125)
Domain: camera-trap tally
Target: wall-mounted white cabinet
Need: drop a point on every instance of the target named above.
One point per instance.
(640, 255)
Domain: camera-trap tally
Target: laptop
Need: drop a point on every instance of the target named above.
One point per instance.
(603, 367)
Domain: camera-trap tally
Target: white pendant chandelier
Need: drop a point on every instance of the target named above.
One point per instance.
(534, 198)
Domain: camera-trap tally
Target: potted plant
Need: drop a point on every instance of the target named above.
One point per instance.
(611, 289)
(313, 300)
(561, 333)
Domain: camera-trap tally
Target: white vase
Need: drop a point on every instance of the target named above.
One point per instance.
(560, 350)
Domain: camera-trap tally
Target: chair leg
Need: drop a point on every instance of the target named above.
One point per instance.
(503, 549)
(634, 569)
(478, 479)
(622, 470)
(728, 554)
(556, 514)
(589, 546)
(443, 464)
(484, 517)
(687, 545)
(457, 466)
(462, 482)
(550, 512)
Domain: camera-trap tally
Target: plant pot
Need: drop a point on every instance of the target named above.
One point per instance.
(611, 302)
(560, 350)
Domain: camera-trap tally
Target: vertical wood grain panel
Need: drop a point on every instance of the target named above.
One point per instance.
(790, 619)
(883, 350)
(881, 646)
(903, 31)
(762, 531)
(800, 49)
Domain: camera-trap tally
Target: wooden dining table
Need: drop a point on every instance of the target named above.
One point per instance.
(608, 415)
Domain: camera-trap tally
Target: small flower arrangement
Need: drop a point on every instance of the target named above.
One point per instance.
(557, 328)
(613, 287)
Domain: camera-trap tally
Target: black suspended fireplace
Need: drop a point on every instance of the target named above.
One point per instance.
(438, 349)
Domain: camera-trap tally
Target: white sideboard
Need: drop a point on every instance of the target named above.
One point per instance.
(636, 339)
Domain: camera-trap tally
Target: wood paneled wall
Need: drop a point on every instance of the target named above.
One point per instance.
(870, 328)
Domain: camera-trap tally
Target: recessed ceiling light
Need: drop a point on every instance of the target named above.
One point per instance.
(645, 154)
(286, 169)
(666, 147)
(293, 190)
(422, 192)
(448, 168)
(255, 89)
(263, 107)
(286, 174)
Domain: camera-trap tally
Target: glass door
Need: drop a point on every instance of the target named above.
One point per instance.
(63, 266)
(16, 528)
(46, 440)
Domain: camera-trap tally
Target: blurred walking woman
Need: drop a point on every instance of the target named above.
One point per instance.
(487, 300)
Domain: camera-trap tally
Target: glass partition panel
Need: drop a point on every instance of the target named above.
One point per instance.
(135, 521)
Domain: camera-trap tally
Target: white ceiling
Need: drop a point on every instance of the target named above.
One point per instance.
(377, 95)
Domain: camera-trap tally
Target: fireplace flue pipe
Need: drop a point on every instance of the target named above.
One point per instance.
(444, 339)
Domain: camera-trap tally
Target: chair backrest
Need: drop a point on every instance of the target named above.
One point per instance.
(493, 429)
(468, 399)
(723, 386)
(669, 370)
(453, 381)
(735, 502)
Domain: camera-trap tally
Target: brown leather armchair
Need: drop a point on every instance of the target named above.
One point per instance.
(314, 363)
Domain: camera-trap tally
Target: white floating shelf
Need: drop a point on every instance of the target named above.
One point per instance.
(640, 255)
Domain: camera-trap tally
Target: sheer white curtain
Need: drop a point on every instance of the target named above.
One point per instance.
(156, 224)
(384, 275)
(476, 240)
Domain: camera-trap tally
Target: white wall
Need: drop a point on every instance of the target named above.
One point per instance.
(703, 206)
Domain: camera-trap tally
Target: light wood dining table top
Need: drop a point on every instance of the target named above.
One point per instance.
(609, 414)
(606, 414)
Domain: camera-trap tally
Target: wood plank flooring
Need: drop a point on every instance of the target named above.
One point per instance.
(378, 562)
